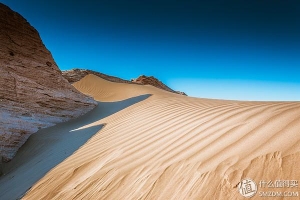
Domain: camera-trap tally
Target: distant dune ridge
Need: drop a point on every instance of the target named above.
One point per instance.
(33, 94)
(75, 75)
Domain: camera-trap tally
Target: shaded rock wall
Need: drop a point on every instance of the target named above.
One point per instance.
(33, 93)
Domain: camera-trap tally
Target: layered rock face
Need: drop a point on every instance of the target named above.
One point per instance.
(75, 75)
(150, 80)
(33, 93)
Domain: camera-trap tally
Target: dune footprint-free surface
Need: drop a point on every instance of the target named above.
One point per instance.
(169, 146)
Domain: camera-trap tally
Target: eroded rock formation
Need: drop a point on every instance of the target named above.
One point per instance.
(75, 75)
(150, 80)
(33, 93)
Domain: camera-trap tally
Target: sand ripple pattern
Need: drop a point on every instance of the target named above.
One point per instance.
(174, 147)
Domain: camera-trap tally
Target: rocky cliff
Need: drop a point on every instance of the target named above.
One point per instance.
(33, 93)
(75, 75)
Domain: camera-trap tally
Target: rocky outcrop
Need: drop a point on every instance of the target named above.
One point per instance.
(150, 80)
(75, 75)
(33, 93)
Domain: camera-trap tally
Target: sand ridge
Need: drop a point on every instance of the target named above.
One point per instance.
(170, 146)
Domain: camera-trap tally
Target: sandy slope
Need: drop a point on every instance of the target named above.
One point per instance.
(169, 146)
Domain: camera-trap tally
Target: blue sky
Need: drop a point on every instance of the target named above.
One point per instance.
(228, 49)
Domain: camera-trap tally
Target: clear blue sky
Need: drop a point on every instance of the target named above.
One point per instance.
(229, 49)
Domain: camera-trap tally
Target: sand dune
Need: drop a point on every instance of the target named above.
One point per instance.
(169, 146)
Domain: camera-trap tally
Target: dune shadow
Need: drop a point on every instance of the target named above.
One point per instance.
(105, 109)
(48, 147)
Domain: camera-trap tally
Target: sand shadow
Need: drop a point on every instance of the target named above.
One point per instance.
(105, 109)
(49, 147)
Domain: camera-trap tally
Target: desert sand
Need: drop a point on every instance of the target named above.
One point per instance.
(141, 142)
